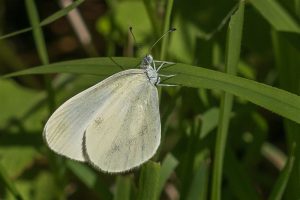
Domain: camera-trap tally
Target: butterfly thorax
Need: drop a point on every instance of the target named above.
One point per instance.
(150, 71)
(152, 75)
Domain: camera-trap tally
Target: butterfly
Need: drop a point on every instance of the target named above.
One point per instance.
(115, 124)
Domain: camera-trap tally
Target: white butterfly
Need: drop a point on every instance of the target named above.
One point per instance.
(115, 124)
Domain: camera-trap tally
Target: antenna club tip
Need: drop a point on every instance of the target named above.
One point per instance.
(172, 29)
(130, 28)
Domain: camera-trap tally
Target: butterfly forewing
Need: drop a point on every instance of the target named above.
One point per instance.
(125, 133)
(64, 131)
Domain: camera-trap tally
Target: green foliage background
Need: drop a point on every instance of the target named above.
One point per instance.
(230, 130)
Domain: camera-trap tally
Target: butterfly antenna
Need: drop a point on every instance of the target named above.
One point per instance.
(169, 31)
(135, 42)
(130, 30)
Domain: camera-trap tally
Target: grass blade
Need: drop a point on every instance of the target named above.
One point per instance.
(122, 188)
(232, 58)
(276, 100)
(276, 15)
(16, 33)
(287, 63)
(281, 183)
(149, 181)
(151, 15)
(201, 178)
(166, 28)
(63, 12)
(9, 183)
(225, 111)
(37, 31)
(55, 16)
(167, 167)
(41, 47)
(89, 178)
(209, 121)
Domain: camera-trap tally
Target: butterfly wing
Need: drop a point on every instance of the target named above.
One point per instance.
(126, 133)
(64, 131)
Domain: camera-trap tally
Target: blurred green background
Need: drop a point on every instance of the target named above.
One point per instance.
(214, 145)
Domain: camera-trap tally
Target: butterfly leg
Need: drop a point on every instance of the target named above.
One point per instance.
(162, 64)
(168, 76)
(161, 61)
(154, 65)
(167, 85)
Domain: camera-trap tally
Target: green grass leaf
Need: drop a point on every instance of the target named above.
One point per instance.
(40, 44)
(209, 121)
(276, 100)
(55, 16)
(281, 183)
(90, 178)
(37, 31)
(276, 15)
(167, 167)
(63, 12)
(8, 183)
(199, 185)
(166, 27)
(287, 61)
(233, 46)
(123, 184)
(149, 181)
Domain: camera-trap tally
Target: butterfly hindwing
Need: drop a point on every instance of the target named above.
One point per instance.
(126, 133)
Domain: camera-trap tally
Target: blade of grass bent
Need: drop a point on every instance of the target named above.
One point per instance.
(276, 100)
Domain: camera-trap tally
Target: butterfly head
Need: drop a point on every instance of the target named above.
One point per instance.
(147, 61)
